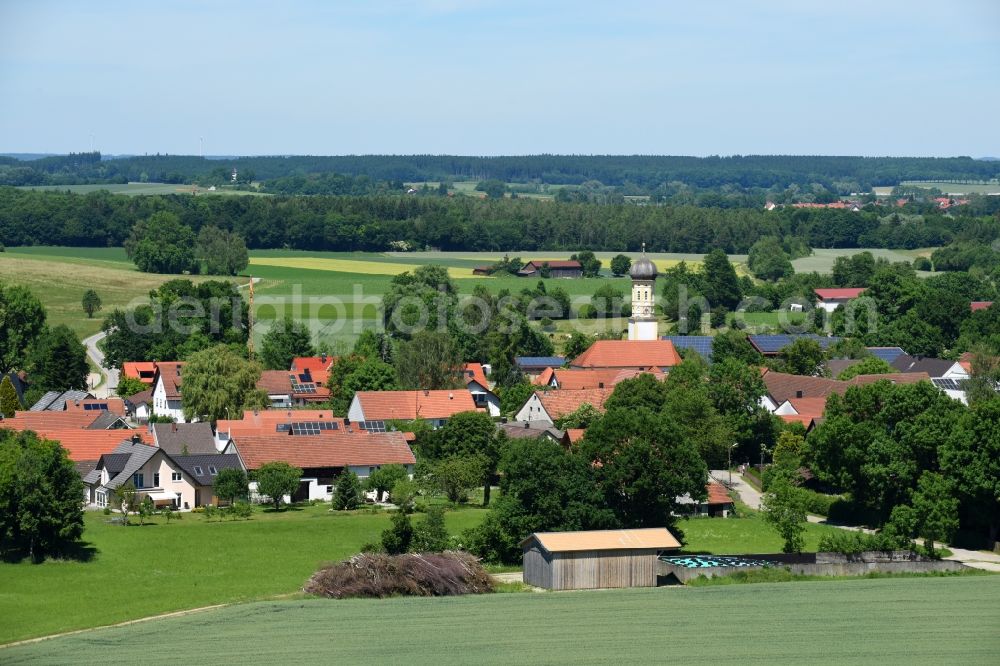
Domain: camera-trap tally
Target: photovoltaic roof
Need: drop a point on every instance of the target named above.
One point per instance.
(700, 343)
(540, 361)
(887, 354)
(772, 344)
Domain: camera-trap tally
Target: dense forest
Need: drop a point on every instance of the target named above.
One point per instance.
(382, 222)
(638, 173)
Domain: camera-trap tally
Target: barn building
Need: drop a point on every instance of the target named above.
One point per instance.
(595, 559)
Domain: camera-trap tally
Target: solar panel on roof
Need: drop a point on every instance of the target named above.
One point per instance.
(772, 344)
(948, 384)
(887, 354)
(372, 426)
(92, 407)
(699, 343)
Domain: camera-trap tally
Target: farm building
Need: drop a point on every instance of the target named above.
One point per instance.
(595, 559)
(556, 268)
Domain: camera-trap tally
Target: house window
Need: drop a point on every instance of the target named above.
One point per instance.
(156, 479)
(138, 480)
(212, 470)
(198, 471)
(102, 499)
(371, 470)
(175, 477)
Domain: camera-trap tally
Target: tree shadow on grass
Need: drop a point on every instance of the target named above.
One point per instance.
(77, 551)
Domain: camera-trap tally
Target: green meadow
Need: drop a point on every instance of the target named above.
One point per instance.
(880, 621)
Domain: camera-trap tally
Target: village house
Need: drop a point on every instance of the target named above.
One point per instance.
(531, 430)
(556, 268)
(831, 299)
(181, 482)
(144, 371)
(370, 410)
(293, 389)
(474, 376)
(549, 406)
(532, 366)
(269, 421)
(323, 456)
(576, 378)
(167, 391)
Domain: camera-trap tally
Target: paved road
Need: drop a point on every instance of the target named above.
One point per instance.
(107, 378)
(747, 494)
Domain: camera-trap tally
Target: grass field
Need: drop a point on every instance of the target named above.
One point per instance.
(299, 283)
(955, 188)
(141, 571)
(912, 621)
(136, 189)
(60, 276)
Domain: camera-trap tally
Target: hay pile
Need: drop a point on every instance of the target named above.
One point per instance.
(419, 575)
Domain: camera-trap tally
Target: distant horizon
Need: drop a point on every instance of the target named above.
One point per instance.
(492, 78)
(29, 155)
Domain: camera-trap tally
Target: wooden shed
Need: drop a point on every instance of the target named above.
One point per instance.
(595, 559)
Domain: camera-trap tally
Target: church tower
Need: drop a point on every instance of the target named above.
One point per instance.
(642, 325)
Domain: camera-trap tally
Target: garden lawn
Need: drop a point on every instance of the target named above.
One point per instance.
(911, 621)
(141, 571)
(742, 536)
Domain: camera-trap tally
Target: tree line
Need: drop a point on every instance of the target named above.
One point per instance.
(382, 222)
(835, 173)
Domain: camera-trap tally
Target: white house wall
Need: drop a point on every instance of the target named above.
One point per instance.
(532, 411)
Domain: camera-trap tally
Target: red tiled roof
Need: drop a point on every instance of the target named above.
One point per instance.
(808, 406)
(805, 420)
(475, 372)
(645, 354)
(544, 378)
(558, 404)
(46, 420)
(782, 386)
(717, 494)
(828, 294)
(144, 371)
(579, 378)
(274, 382)
(170, 373)
(115, 405)
(263, 422)
(575, 434)
(409, 405)
(329, 449)
(313, 364)
(80, 444)
(980, 305)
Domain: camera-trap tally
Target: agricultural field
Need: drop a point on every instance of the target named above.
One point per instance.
(339, 293)
(955, 188)
(138, 189)
(880, 621)
(60, 276)
(192, 563)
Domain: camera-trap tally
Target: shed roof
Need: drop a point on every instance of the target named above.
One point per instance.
(651, 538)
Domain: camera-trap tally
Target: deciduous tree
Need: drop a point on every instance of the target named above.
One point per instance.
(22, 319)
(91, 302)
(277, 479)
(162, 244)
(285, 340)
(219, 383)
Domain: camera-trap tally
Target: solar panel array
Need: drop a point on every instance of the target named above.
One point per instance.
(307, 427)
(887, 354)
(948, 384)
(772, 344)
(699, 343)
(95, 407)
(301, 384)
(372, 426)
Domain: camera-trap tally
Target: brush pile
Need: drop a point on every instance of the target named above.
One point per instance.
(414, 574)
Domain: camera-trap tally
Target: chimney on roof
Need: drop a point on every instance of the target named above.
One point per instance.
(322, 357)
(137, 438)
(600, 384)
(527, 424)
(426, 392)
(798, 394)
(451, 396)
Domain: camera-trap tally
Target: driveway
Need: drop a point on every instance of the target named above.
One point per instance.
(747, 494)
(108, 379)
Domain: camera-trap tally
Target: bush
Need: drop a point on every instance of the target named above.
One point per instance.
(853, 543)
(396, 540)
(430, 535)
(377, 575)
(586, 312)
(241, 510)
(818, 503)
(922, 264)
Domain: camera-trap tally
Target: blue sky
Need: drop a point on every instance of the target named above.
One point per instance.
(509, 77)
